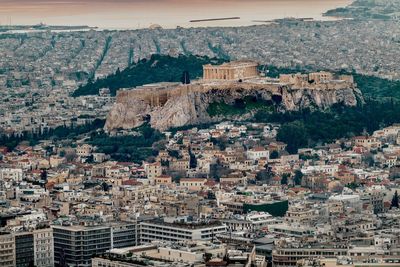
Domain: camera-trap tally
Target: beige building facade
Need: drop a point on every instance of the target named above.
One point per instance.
(7, 250)
(153, 170)
(44, 247)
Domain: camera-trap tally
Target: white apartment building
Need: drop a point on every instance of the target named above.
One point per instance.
(11, 174)
(250, 222)
(257, 153)
(43, 247)
(176, 231)
(327, 169)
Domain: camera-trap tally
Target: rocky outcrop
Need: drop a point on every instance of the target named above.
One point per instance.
(178, 105)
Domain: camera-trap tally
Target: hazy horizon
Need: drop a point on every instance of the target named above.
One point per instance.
(167, 13)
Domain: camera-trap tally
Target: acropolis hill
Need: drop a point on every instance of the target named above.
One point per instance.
(167, 105)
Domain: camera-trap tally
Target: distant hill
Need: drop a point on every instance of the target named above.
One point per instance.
(159, 68)
(368, 9)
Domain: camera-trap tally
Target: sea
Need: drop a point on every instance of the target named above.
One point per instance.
(134, 14)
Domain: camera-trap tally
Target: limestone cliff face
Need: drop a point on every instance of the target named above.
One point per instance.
(179, 105)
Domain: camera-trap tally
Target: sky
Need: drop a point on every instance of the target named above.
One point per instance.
(167, 13)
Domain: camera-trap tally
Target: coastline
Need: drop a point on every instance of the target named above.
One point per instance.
(251, 13)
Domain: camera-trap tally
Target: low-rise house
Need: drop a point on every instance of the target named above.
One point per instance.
(193, 183)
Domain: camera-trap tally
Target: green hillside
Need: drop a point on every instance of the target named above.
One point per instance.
(159, 68)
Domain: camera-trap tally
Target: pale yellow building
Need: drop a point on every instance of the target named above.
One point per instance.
(369, 142)
(56, 161)
(179, 165)
(163, 179)
(193, 183)
(153, 170)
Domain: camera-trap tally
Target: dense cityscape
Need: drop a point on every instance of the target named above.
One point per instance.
(230, 146)
(44, 68)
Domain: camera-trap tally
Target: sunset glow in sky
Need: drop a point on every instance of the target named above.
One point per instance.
(167, 13)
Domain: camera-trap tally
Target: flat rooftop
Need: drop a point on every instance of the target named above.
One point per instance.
(183, 225)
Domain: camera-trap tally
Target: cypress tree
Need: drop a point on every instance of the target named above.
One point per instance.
(395, 200)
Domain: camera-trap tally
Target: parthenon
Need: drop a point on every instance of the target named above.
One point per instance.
(232, 71)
